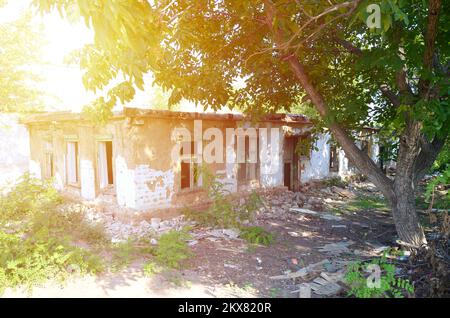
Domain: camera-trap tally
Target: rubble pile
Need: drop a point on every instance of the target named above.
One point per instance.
(313, 198)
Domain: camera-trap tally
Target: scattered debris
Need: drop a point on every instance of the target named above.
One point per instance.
(224, 233)
(336, 248)
(343, 192)
(304, 211)
(301, 272)
(339, 226)
(325, 216)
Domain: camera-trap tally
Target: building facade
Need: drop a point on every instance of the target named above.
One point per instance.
(144, 159)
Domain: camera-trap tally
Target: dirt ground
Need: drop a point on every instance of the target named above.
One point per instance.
(230, 267)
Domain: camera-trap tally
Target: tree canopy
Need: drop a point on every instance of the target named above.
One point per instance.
(20, 43)
(353, 65)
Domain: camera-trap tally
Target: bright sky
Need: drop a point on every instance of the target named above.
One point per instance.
(61, 80)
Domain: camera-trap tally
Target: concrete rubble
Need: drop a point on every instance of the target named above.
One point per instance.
(336, 248)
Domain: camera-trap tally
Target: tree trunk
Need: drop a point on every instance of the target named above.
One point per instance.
(405, 216)
(400, 194)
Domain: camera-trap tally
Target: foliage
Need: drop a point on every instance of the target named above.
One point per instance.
(39, 257)
(443, 160)
(151, 268)
(324, 54)
(335, 181)
(390, 286)
(36, 237)
(20, 43)
(366, 203)
(27, 197)
(256, 235)
(123, 253)
(173, 249)
(442, 180)
(198, 49)
(222, 212)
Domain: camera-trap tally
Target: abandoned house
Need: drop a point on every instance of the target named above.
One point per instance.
(130, 157)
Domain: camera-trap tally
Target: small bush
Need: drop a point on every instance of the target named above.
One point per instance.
(151, 268)
(256, 235)
(222, 212)
(37, 238)
(173, 249)
(126, 252)
(390, 286)
(28, 196)
(336, 181)
(37, 258)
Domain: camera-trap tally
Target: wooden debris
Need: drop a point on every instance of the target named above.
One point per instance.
(336, 248)
(303, 272)
(325, 285)
(325, 216)
(343, 192)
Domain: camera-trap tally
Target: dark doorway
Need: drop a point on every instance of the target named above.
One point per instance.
(105, 164)
(287, 175)
(109, 162)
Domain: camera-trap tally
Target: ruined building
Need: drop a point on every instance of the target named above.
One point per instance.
(132, 155)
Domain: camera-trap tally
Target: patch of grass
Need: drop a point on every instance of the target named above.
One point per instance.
(173, 249)
(257, 235)
(152, 268)
(274, 292)
(367, 203)
(124, 253)
(335, 181)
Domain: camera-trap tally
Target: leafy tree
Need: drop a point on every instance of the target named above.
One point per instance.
(19, 49)
(393, 73)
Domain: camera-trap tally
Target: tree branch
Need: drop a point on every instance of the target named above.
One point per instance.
(428, 154)
(434, 7)
(384, 88)
(361, 160)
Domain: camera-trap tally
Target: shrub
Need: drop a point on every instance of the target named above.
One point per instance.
(37, 258)
(151, 268)
(335, 181)
(36, 237)
(256, 235)
(222, 212)
(173, 249)
(390, 286)
(29, 195)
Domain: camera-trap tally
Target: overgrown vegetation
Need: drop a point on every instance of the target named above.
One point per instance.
(434, 197)
(173, 249)
(367, 203)
(335, 181)
(38, 239)
(362, 285)
(223, 212)
(257, 235)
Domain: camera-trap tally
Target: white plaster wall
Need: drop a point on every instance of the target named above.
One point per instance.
(230, 178)
(375, 149)
(34, 168)
(318, 166)
(14, 149)
(125, 187)
(271, 157)
(344, 169)
(87, 178)
(154, 189)
(343, 164)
